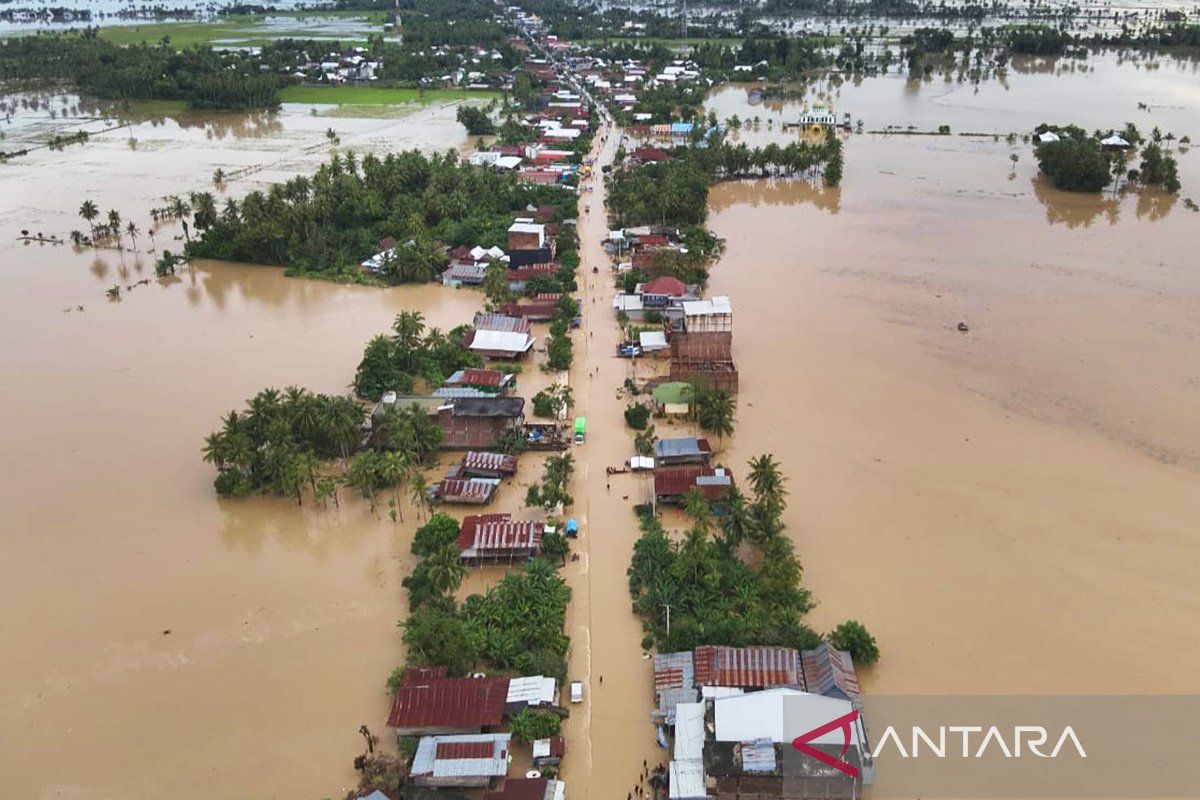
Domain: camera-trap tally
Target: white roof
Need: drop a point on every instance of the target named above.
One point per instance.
(1047, 136)
(527, 227)
(689, 731)
(1114, 141)
(641, 462)
(508, 162)
(504, 341)
(541, 748)
(533, 690)
(713, 305)
(687, 780)
(562, 133)
(426, 762)
(652, 340)
(627, 302)
(760, 715)
(480, 254)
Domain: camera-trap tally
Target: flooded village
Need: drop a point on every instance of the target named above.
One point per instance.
(650, 395)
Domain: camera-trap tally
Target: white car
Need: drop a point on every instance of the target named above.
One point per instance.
(576, 691)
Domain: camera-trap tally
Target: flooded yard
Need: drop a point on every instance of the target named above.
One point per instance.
(996, 502)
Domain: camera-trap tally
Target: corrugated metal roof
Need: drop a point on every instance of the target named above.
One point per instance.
(532, 690)
(501, 322)
(499, 532)
(524, 789)
(510, 407)
(830, 672)
(492, 462)
(665, 285)
(713, 305)
(674, 671)
(483, 755)
(502, 341)
(711, 481)
(681, 446)
(449, 703)
(669, 700)
(461, 391)
(478, 377)
(747, 667)
(470, 490)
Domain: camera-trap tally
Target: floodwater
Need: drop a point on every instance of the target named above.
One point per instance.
(159, 641)
(1009, 509)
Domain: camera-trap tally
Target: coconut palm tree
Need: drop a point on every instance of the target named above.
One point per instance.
(89, 212)
(132, 230)
(445, 569)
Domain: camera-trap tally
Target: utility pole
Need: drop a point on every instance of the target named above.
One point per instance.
(683, 22)
(668, 607)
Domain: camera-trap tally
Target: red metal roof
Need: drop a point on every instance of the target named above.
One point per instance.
(449, 703)
(525, 273)
(535, 309)
(680, 480)
(499, 532)
(470, 490)
(827, 670)
(465, 749)
(650, 154)
(666, 285)
(520, 789)
(747, 667)
(653, 240)
(481, 377)
(492, 462)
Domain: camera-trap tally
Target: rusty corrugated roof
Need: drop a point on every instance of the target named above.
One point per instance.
(499, 532)
(439, 703)
(493, 462)
(465, 749)
(830, 672)
(748, 667)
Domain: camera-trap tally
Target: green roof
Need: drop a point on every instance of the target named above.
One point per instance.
(673, 392)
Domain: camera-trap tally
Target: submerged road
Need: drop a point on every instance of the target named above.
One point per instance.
(609, 735)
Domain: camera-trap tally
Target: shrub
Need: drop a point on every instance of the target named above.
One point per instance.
(853, 637)
(637, 415)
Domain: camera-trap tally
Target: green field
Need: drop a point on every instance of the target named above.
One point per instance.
(239, 30)
(376, 95)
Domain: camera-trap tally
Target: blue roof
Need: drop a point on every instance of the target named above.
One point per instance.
(681, 127)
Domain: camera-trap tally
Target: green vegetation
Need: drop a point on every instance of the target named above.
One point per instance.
(553, 402)
(394, 362)
(475, 120)
(516, 625)
(529, 726)
(552, 491)
(326, 224)
(637, 415)
(715, 409)
(201, 77)
(278, 443)
(1160, 169)
(713, 594)
(853, 637)
(377, 95)
(1077, 162)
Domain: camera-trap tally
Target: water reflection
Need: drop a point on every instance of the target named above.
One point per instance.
(775, 192)
(1075, 209)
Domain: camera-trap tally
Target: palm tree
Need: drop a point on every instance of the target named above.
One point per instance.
(362, 475)
(132, 230)
(393, 470)
(89, 212)
(445, 569)
(419, 488)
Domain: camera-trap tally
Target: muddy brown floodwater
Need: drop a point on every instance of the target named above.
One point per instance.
(1010, 509)
(157, 640)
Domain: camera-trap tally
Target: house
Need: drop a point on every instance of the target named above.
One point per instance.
(830, 672)
(673, 484)
(428, 702)
(674, 398)
(464, 275)
(1047, 137)
(470, 760)
(536, 311)
(475, 423)
(529, 789)
(531, 691)
(518, 259)
(465, 491)
(500, 336)
(498, 537)
(525, 234)
(479, 464)
(1113, 142)
(519, 277)
(661, 292)
(712, 315)
(492, 381)
(704, 356)
(652, 341)
(682, 450)
(548, 752)
(649, 155)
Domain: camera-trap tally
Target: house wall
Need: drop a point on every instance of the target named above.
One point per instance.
(523, 241)
(470, 433)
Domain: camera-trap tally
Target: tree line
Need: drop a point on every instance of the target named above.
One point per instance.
(327, 223)
(200, 76)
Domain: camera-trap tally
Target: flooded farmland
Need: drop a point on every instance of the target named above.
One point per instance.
(159, 640)
(992, 503)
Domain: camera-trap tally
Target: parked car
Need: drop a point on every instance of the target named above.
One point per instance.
(576, 691)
